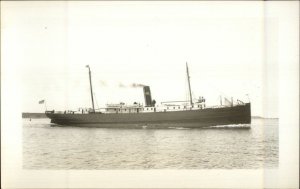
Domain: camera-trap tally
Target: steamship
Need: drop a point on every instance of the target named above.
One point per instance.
(171, 114)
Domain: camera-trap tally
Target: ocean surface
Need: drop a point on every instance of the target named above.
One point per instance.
(52, 147)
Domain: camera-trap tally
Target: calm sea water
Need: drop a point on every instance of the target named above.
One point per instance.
(48, 147)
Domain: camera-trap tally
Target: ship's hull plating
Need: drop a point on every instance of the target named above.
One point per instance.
(191, 119)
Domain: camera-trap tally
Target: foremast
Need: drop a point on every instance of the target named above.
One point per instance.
(188, 78)
(90, 77)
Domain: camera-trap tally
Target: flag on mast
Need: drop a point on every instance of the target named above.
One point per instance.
(41, 101)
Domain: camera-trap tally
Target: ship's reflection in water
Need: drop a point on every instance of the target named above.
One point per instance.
(46, 147)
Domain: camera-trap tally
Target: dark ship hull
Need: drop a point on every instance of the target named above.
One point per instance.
(240, 114)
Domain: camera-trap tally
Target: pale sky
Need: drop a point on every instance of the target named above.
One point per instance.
(231, 50)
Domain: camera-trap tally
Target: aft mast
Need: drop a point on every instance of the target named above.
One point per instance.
(188, 78)
(91, 87)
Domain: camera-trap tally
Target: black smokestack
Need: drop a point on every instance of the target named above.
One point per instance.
(147, 95)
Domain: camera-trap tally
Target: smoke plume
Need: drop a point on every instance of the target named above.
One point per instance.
(102, 83)
(121, 85)
(132, 85)
(135, 85)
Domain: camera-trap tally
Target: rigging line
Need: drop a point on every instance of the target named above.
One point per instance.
(194, 98)
(96, 100)
(186, 88)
